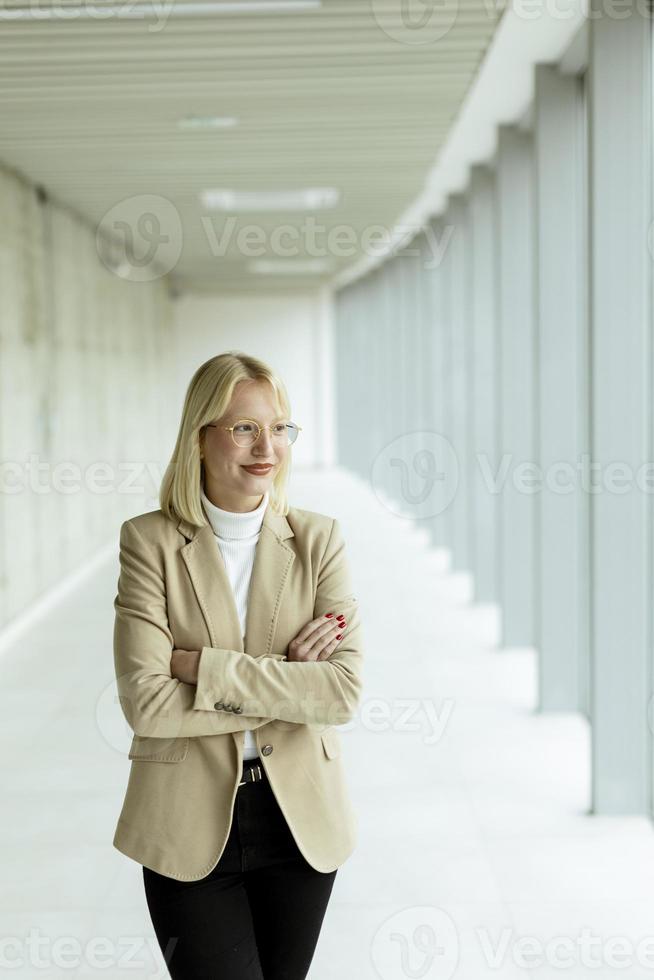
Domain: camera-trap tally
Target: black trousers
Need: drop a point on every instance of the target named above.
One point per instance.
(257, 915)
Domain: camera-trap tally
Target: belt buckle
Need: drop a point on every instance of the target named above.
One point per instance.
(250, 775)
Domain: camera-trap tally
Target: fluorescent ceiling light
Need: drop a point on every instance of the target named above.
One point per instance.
(290, 267)
(206, 122)
(99, 10)
(304, 199)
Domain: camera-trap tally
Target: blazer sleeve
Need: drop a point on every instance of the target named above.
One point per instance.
(321, 691)
(155, 703)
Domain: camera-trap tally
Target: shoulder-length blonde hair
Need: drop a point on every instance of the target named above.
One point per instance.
(207, 398)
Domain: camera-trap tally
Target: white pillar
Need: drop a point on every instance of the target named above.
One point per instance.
(562, 365)
(484, 545)
(437, 352)
(620, 136)
(460, 407)
(518, 424)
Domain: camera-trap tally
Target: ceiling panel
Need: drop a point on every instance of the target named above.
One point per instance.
(347, 95)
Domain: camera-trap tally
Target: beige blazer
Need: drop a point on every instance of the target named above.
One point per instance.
(187, 749)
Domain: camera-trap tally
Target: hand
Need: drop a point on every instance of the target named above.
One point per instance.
(184, 665)
(317, 640)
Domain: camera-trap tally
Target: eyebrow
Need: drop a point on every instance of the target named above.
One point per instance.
(240, 418)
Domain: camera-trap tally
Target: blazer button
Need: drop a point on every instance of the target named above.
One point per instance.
(238, 709)
(218, 705)
(266, 749)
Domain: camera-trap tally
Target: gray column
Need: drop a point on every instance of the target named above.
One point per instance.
(620, 134)
(432, 462)
(562, 364)
(348, 379)
(393, 351)
(484, 545)
(460, 407)
(424, 460)
(364, 340)
(343, 304)
(399, 460)
(388, 381)
(376, 353)
(518, 398)
(437, 353)
(404, 352)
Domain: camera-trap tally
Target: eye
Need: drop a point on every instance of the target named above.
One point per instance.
(280, 427)
(243, 427)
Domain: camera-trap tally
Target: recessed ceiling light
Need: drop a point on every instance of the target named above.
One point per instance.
(304, 199)
(206, 122)
(290, 267)
(143, 11)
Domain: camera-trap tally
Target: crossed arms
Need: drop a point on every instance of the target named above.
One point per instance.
(156, 704)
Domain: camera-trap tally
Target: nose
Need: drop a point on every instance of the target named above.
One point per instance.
(264, 442)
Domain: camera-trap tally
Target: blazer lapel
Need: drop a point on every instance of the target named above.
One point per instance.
(272, 564)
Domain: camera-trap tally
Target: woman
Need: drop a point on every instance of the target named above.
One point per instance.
(237, 648)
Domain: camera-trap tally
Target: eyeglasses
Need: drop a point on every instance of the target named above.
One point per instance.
(247, 431)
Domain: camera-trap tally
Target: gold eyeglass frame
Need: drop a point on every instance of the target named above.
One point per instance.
(230, 428)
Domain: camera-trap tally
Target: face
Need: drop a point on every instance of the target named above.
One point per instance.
(227, 483)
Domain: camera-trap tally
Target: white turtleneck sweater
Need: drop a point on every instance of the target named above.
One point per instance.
(236, 536)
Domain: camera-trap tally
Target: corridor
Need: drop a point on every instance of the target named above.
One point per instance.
(305, 302)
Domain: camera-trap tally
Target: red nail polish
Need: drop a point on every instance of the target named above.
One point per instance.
(338, 636)
(328, 615)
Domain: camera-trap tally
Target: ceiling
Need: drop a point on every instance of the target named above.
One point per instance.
(346, 96)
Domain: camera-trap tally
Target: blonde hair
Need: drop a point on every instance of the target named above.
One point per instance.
(207, 398)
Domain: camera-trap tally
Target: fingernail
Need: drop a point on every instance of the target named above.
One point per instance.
(328, 615)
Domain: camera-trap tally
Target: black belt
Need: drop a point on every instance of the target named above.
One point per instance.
(252, 774)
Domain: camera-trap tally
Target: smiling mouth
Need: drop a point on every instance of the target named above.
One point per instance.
(261, 468)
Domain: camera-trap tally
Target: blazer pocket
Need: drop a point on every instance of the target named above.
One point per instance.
(331, 743)
(147, 748)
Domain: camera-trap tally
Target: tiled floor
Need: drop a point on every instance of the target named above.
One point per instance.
(476, 857)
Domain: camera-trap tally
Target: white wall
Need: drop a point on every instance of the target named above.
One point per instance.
(85, 361)
(291, 332)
